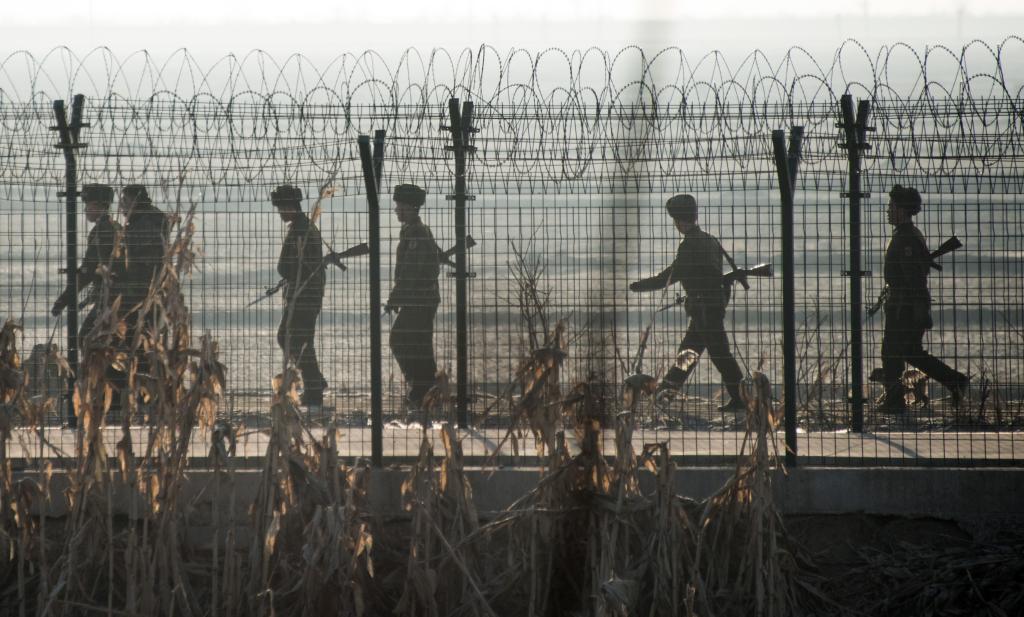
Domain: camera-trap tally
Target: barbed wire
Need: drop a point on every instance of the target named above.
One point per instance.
(552, 121)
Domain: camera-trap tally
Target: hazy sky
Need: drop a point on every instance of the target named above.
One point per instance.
(219, 11)
(322, 29)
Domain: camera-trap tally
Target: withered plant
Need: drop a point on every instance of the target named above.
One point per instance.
(24, 562)
(311, 547)
(746, 564)
(815, 369)
(311, 552)
(442, 574)
(534, 394)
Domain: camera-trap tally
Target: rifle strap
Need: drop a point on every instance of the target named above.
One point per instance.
(725, 253)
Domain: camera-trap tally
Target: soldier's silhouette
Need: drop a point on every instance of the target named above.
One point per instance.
(907, 305)
(302, 268)
(698, 266)
(415, 295)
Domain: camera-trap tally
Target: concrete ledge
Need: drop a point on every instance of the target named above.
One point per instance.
(948, 493)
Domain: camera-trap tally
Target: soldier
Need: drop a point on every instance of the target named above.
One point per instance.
(698, 266)
(415, 295)
(301, 265)
(907, 305)
(146, 239)
(99, 251)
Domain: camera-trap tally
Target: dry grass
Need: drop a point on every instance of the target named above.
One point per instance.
(818, 371)
(589, 539)
(975, 579)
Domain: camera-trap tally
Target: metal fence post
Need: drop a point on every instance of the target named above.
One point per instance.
(378, 158)
(856, 143)
(376, 367)
(461, 128)
(68, 134)
(787, 161)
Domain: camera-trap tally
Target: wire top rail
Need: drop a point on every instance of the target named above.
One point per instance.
(551, 121)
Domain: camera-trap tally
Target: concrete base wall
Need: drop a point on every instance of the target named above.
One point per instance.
(960, 494)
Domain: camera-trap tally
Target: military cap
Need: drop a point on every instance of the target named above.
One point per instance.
(907, 198)
(410, 194)
(137, 192)
(102, 193)
(682, 207)
(286, 195)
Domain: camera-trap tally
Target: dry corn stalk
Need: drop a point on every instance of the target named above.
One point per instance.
(22, 534)
(442, 568)
(337, 564)
(745, 563)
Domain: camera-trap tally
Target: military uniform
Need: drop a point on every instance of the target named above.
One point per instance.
(698, 266)
(99, 250)
(146, 239)
(908, 316)
(416, 296)
(301, 266)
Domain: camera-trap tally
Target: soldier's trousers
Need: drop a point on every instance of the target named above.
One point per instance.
(298, 337)
(412, 343)
(706, 331)
(117, 379)
(902, 338)
(87, 325)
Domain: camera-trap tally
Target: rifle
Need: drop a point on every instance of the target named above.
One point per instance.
(950, 245)
(883, 296)
(739, 275)
(333, 258)
(269, 291)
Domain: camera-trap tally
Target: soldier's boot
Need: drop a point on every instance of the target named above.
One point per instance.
(416, 410)
(674, 380)
(313, 388)
(894, 400)
(958, 389)
(735, 403)
(312, 397)
(418, 389)
(414, 413)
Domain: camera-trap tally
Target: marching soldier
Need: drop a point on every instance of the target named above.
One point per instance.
(415, 295)
(698, 266)
(146, 239)
(907, 305)
(99, 251)
(302, 268)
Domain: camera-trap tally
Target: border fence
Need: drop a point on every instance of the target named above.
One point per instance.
(558, 165)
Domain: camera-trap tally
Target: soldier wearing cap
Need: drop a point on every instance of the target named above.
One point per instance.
(99, 251)
(907, 305)
(301, 266)
(698, 266)
(146, 240)
(415, 295)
